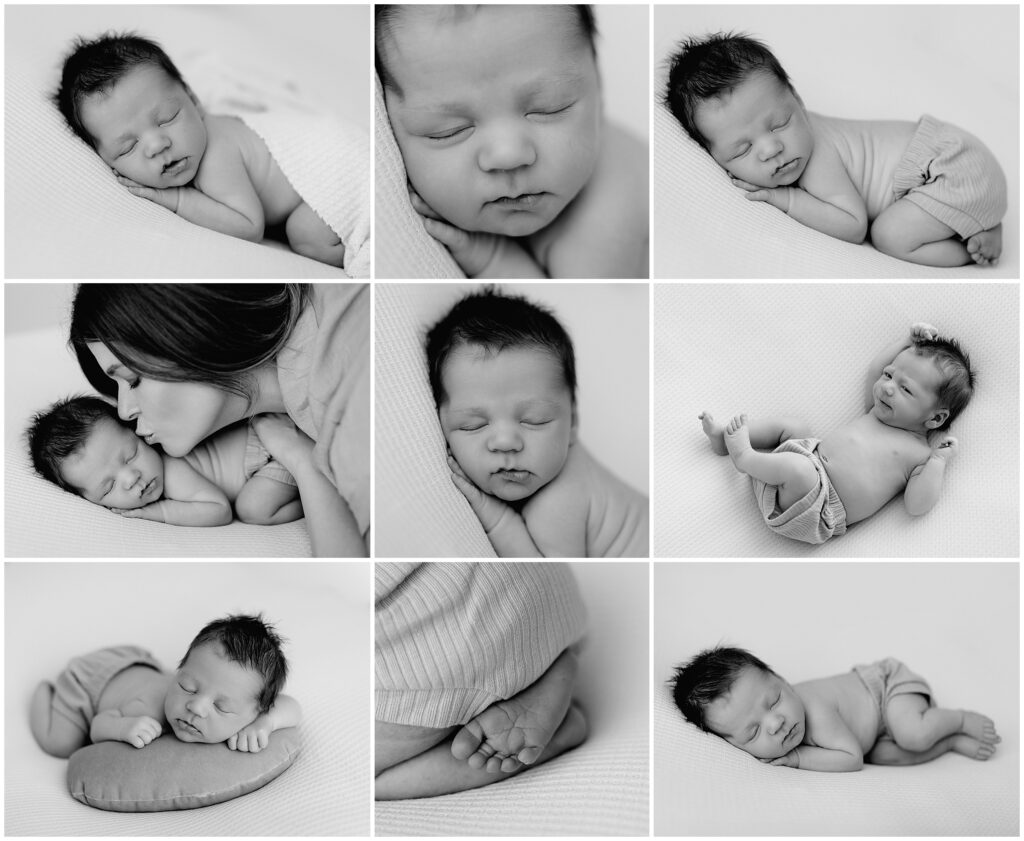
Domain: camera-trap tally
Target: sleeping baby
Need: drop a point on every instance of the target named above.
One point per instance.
(226, 689)
(497, 113)
(928, 192)
(82, 446)
(124, 97)
(503, 374)
(811, 489)
(881, 713)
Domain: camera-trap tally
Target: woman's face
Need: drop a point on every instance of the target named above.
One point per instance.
(176, 415)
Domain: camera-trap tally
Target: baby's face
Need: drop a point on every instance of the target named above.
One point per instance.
(147, 128)
(906, 395)
(508, 418)
(115, 468)
(758, 132)
(761, 714)
(498, 118)
(211, 697)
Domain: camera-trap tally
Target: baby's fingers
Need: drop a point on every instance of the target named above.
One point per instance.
(420, 206)
(745, 185)
(758, 195)
(455, 238)
(233, 742)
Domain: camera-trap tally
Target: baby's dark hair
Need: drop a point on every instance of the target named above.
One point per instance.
(97, 65)
(62, 430)
(385, 18)
(707, 677)
(707, 67)
(497, 322)
(959, 379)
(252, 643)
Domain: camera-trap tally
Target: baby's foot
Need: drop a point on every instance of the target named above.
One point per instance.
(737, 439)
(972, 748)
(715, 432)
(986, 246)
(507, 735)
(979, 727)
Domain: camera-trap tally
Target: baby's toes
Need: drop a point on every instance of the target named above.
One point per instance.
(527, 756)
(510, 764)
(494, 764)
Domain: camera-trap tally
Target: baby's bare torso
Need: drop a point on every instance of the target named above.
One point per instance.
(616, 514)
(138, 690)
(870, 150)
(229, 134)
(844, 697)
(869, 463)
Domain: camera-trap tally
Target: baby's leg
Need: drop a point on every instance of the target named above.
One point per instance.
(917, 727)
(435, 771)
(393, 744)
(266, 502)
(986, 246)
(905, 231)
(765, 433)
(887, 752)
(310, 236)
(512, 733)
(55, 734)
(792, 473)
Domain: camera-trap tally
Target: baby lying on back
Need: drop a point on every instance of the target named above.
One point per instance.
(929, 192)
(124, 97)
(81, 445)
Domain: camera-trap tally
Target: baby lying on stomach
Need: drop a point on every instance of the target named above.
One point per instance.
(124, 97)
(82, 446)
(929, 192)
(881, 713)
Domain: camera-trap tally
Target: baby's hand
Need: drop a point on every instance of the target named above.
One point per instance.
(472, 251)
(776, 196)
(489, 510)
(153, 511)
(165, 198)
(945, 447)
(283, 439)
(252, 738)
(920, 330)
(790, 759)
(139, 731)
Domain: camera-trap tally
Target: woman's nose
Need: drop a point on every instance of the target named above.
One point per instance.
(507, 147)
(127, 405)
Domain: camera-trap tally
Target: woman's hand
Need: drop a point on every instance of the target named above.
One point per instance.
(285, 441)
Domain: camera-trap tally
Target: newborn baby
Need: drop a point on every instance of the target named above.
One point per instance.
(881, 713)
(81, 445)
(503, 374)
(124, 97)
(498, 116)
(811, 489)
(930, 192)
(226, 689)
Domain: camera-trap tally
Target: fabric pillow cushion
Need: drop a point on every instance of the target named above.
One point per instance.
(169, 774)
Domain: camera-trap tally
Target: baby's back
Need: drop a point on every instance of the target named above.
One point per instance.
(275, 192)
(137, 690)
(870, 150)
(844, 696)
(221, 459)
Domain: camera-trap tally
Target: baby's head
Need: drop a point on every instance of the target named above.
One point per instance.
(231, 673)
(732, 96)
(733, 694)
(124, 97)
(496, 109)
(82, 446)
(925, 387)
(503, 373)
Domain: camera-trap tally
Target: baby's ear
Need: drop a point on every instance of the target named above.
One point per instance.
(937, 420)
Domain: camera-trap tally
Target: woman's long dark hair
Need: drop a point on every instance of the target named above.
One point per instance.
(216, 333)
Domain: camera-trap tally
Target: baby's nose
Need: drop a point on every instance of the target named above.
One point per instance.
(157, 142)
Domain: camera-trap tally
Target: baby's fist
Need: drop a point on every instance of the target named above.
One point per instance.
(252, 738)
(920, 330)
(945, 447)
(141, 730)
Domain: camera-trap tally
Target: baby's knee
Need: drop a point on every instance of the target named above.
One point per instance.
(889, 238)
(54, 734)
(249, 508)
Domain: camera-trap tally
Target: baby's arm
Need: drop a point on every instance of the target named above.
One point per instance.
(826, 199)
(479, 255)
(252, 738)
(505, 527)
(918, 330)
(925, 482)
(190, 499)
(333, 531)
(138, 722)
